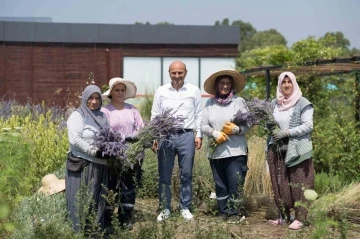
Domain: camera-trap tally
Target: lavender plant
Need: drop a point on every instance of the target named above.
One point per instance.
(161, 126)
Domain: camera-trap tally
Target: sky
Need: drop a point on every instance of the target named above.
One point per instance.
(294, 19)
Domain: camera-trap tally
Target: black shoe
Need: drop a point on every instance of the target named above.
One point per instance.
(127, 225)
(243, 212)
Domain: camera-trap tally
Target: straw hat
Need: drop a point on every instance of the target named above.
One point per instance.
(239, 81)
(51, 185)
(130, 87)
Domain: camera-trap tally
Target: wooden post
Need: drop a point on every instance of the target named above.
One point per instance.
(267, 84)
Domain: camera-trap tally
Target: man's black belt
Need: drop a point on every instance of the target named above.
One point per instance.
(180, 131)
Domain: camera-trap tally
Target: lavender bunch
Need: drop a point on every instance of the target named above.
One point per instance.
(245, 119)
(112, 143)
(263, 113)
(161, 126)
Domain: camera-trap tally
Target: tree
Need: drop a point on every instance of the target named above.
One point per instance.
(250, 38)
(339, 40)
(261, 39)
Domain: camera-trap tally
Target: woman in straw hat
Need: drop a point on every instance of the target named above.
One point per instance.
(291, 167)
(228, 160)
(85, 163)
(126, 119)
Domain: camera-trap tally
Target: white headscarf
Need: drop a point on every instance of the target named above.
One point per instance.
(286, 103)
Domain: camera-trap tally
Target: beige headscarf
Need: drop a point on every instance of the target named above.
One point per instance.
(286, 103)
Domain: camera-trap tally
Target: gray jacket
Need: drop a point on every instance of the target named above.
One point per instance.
(214, 117)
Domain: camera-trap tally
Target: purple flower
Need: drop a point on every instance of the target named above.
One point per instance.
(245, 119)
(111, 143)
(263, 113)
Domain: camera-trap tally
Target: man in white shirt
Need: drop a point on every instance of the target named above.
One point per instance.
(185, 100)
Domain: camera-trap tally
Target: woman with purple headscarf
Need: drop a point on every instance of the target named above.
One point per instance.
(228, 160)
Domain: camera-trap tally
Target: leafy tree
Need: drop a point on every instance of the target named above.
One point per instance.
(340, 40)
(261, 39)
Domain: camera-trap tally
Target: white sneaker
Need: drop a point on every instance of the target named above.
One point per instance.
(186, 214)
(165, 214)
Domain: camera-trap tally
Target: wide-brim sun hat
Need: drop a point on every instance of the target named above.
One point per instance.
(51, 185)
(239, 81)
(130, 87)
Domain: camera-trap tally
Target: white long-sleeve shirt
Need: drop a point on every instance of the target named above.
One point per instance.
(186, 102)
(81, 134)
(283, 119)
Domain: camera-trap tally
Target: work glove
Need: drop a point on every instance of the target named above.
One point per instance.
(220, 137)
(131, 139)
(100, 154)
(230, 128)
(270, 125)
(281, 134)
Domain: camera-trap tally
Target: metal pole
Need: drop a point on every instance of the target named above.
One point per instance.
(267, 84)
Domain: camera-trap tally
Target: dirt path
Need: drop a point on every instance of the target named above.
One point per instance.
(206, 225)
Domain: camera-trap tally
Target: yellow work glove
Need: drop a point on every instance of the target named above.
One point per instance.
(220, 137)
(230, 128)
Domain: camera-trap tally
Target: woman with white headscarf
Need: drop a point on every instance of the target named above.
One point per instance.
(289, 152)
(86, 164)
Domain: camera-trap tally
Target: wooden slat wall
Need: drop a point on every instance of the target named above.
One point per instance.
(57, 73)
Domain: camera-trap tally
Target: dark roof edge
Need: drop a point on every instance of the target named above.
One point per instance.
(117, 33)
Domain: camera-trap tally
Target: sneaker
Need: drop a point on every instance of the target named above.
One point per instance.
(165, 214)
(186, 214)
(233, 219)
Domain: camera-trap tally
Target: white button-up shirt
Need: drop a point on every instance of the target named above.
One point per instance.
(185, 102)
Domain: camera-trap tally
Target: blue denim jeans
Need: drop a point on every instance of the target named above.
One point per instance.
(182, 145)
(229, 176)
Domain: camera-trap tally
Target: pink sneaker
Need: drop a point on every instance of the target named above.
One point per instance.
(296, 225)
(278, 221)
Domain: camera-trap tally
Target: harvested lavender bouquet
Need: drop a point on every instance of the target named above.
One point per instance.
(263, 113)
(161, 126)
(112, 143)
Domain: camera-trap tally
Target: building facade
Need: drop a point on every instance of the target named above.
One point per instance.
(51, 62)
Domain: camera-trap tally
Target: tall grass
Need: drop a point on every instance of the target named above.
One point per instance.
(258, 178)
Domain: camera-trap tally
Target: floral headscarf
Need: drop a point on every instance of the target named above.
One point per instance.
(286, 103)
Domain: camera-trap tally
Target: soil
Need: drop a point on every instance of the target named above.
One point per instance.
(207, 225)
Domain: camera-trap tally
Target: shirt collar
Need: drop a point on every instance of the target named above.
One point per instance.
(184, 87)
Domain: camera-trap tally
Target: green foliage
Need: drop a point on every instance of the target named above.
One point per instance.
(16, 174)
(311, 49)
(43, 217)
(5, 225)
(146, 105)
(327, 183)
(261, 39)
(149, 183)
(48, 144)
(340, 40)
